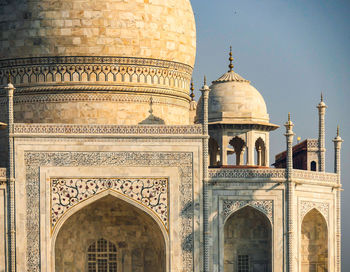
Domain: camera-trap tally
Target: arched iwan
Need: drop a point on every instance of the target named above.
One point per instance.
(247, 241)
(111, 216)
(314, 242)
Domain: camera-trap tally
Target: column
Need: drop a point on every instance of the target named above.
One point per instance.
(11, 179)
(337, 169)
(291, 254)
(206, 234)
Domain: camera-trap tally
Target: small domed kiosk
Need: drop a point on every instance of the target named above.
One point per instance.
(238, 122)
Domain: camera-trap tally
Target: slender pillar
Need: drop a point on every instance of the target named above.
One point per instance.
(206, 234)
(321, 134)
(290, 197)
(223, 148)
(259, 156)
(241, 156)
(337, 169)
(11, 179)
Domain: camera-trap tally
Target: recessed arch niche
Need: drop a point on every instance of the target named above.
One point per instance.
(247, 241)
(314, 242)
(140, 244)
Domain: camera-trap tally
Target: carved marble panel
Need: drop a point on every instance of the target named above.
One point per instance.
(306, 206)
(149, 192)
(265, 206)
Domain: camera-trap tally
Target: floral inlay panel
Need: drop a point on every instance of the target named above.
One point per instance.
(306, 206)
(149, 192)
(265, 206)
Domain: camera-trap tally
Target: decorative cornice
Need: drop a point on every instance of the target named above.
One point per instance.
(249, 126)
(95, 97)
(97, 87)
(40, 61)
(47, 74)
(106, 129)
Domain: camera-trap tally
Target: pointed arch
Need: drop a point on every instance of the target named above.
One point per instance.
(314, 242)
(247, 241)
(239, 146)
(253, 206)
(119, 197)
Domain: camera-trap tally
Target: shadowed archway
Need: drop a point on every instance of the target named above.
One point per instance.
(138, 240)
(314, 242)
(247, 242)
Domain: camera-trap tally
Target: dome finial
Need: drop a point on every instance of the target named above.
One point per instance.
(192, 91)
(231, 60)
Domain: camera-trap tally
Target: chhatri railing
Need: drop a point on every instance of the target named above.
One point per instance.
(270, 174)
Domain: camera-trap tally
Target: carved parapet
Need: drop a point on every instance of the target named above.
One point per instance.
(314, 176)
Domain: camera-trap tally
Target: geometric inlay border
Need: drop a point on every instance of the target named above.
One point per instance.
(265, 206)
(151, 193)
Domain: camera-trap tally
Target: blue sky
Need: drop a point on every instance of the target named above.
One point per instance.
(291, 51)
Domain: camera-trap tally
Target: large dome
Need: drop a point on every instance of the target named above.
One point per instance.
(149, 29)
(98, 61)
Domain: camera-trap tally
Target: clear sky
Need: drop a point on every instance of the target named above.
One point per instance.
(291, 51)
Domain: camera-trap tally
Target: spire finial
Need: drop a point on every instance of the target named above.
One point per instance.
(151, 105)
(338, 131)
(288, 116)
(205, 80)
(321, 97)
(9, 78)
(192, 91)
(231, 60)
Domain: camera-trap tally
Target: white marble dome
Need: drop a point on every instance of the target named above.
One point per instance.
(98, 61)
(233, 100)
(163, 30)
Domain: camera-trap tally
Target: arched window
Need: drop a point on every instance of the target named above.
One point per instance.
(313, 166)
(238, 148)
(102, 256)
(260, 152)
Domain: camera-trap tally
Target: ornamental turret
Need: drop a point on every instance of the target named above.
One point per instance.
(238, 122)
